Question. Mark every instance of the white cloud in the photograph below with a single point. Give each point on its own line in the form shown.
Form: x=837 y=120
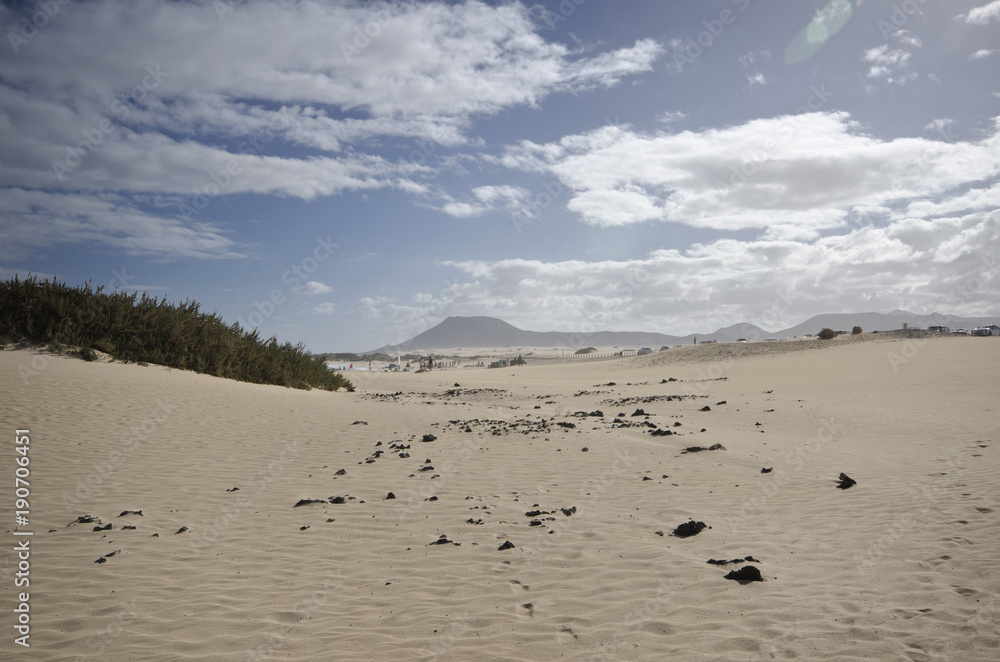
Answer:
x=908 y=38
x=463 y=209
x=38 y=219
x=985 y=14
x=668 y=116
x=512 y=198
x=795 y=175
x=756 y=79
x=323 y=309
x=771 y=283
x=752 y=57
x=982 y=53
x=314 y=287
x=889 y=65
x=176 y=111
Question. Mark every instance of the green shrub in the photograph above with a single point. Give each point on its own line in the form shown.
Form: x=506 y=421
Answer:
x=827 y=334
x=585 y=350
x=856 y=331
x=144 y=329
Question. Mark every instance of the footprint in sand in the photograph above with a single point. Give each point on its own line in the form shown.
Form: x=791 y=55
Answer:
x=566 y=636
x=984 y=510
x=957 y=540
x=936 y=562
x=515 y=585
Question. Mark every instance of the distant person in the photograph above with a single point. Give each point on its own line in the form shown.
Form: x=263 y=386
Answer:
x=369 y=366
x=520 y=361
x=421 y=363
x=430 y=362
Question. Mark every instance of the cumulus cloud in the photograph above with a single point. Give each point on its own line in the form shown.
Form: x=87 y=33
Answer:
x=985 y=14
x=771 y=283
x=889 y=65
x=794 y=175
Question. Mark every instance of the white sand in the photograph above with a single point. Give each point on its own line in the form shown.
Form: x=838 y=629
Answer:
x=903 y=566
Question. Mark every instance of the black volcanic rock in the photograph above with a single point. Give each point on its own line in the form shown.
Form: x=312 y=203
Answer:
x=690 y=528
x=846 y=482
x=747 y=573
x=306 y=502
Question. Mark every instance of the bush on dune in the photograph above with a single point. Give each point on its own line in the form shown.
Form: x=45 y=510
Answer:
x=827 y=334
x=145 y=329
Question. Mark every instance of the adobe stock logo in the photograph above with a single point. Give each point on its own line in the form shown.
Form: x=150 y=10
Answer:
x=295 y=276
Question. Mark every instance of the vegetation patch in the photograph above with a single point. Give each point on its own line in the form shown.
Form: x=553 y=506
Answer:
x=143 y=329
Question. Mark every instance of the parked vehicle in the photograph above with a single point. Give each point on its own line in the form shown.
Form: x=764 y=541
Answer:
x=987 y=330
x=665 y=347
x=960 y=332
x=644 y=350
x=938 y=329
x=742 y=340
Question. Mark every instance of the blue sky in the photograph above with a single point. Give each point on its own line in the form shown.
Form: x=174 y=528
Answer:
x=349 y=174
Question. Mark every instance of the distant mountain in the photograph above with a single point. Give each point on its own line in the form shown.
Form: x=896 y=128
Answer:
x=881 y=322
x=742 y=330
x=472 y=332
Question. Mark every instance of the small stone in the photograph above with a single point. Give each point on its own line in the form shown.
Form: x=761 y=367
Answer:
x=507 y=545
x=428 y=437
x=390 y=495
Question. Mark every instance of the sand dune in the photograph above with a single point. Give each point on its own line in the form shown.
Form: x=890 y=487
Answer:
x=902 y=566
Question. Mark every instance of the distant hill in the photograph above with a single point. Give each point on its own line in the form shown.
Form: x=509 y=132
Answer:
x=474 y=332
x=881 y=322
x=471 y=332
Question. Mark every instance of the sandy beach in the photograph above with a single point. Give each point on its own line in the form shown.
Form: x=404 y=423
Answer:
x=252 y=522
